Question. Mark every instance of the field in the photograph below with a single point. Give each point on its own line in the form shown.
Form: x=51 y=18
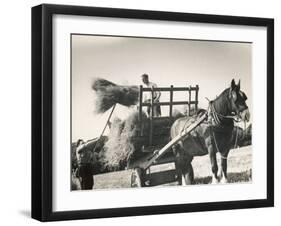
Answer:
x=239 y=171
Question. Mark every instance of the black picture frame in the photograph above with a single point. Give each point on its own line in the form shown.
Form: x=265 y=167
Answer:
x=42 y=107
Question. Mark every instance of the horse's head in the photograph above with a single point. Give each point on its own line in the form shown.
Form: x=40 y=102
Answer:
x=238 y=101
x=84 y=153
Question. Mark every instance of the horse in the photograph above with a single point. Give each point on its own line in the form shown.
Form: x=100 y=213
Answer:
x=213 y=135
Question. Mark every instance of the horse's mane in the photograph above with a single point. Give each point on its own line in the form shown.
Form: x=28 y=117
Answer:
x=221 y=103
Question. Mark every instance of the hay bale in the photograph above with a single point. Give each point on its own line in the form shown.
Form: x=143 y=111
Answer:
x=109 y=94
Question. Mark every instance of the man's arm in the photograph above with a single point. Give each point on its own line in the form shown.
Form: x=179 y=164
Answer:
x=157 y=93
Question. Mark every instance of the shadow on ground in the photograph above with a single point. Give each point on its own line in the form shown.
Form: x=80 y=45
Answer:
x=25 y=213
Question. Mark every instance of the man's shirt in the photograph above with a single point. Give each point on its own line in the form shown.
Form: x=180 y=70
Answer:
x=148 y=95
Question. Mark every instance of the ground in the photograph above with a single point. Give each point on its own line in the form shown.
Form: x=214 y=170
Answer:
x=239 y=170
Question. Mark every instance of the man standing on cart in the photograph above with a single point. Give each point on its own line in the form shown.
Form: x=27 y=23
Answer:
x=148 y=96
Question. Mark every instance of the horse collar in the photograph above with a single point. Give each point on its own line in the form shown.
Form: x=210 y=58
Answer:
x=217 y=117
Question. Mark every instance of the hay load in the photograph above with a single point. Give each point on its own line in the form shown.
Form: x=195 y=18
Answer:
x=124 y=140
x=109 y=94
x=121 y=144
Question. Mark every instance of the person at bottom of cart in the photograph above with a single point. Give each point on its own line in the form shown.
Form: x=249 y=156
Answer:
x=148 y=96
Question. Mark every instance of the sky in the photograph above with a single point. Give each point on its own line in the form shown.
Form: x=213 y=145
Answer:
x=210 y=64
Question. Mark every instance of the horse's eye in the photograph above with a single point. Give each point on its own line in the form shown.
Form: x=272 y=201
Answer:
x=243 y=95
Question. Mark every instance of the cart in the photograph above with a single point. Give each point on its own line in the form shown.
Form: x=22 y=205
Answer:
x=158 y=151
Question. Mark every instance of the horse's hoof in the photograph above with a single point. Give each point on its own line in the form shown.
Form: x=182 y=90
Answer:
x=215 y=181
x=223 y=180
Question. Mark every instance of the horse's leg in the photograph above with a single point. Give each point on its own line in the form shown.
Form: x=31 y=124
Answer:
x=178 y=162
x=191 y=173
x=214 y=164
x=188 y=171
x=223 y=173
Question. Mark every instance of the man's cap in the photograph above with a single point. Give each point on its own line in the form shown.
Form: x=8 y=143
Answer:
x=144 y=75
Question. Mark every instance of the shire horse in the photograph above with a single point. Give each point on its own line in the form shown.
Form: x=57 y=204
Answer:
x=212 y=136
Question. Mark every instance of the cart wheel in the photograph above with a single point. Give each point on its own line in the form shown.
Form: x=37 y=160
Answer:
x=136 y=178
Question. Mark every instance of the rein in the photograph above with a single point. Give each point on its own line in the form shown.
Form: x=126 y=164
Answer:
x=235 y=145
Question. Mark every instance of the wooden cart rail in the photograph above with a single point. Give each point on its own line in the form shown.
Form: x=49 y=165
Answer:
x=173 y=103
x=188 y=101
x=189 y=88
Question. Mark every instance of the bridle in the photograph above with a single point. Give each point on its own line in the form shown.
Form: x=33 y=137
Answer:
x=216 y=116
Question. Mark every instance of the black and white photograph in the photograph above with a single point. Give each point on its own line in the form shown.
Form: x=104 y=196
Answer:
x=149 y=112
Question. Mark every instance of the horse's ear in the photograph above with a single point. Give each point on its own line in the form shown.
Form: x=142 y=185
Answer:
x=79 y=142
x=232 y=84
x=238 y=85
